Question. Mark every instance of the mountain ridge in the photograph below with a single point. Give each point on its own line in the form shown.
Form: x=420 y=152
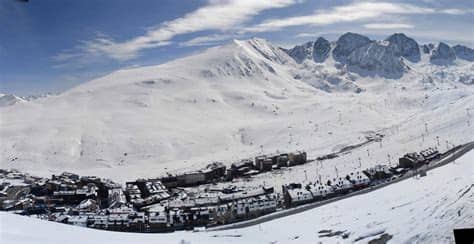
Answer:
x=374 y=57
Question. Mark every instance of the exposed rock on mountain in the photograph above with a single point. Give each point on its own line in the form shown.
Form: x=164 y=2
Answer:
x=464 y=52
x=442 y=55
x=404 y=46
x=359 y=55
x=427 y=48
x=348 y=43
x=376 y=58
x=317 y=51
x=301 y=52
x=321 y=50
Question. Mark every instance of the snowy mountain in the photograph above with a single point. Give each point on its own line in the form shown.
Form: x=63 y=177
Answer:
x=367 y=57
x=242 y=99
x=9 y=99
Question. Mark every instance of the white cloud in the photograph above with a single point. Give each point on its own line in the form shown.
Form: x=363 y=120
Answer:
x=455 y=11
x=217 y=15
x=356 y=11
x=387 y=26
x=228 y=18
x=305 y=34
x=207 y=40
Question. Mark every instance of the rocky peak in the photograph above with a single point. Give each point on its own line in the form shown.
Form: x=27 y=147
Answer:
x=348 y=43
x=376 y=58
x=427 y=48
x=384 y=58
x=442 y=55
x=464 y=52
x=301 y=52
x=404 y=46
x=321 y=49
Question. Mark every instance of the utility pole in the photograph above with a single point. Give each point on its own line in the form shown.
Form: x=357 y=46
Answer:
x=468 y=114
x=317 y=173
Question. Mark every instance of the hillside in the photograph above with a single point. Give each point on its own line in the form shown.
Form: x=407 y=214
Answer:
x=239 y=100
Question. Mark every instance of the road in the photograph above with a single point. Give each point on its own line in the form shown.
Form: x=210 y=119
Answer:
x=283 y=213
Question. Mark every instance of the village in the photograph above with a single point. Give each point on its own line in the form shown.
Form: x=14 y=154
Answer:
x=169 y=203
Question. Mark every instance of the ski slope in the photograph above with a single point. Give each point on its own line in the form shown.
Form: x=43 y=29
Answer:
x=417 y=210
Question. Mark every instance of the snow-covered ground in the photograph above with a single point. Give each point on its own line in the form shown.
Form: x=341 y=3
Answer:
x=417 y=210
x=231 y=102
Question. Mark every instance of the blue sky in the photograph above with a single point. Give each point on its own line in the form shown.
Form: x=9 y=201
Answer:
x=52 y=45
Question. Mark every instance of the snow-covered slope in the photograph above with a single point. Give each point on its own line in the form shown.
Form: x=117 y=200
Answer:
x=232 y=102
x=9 y=99
x=417 y=210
